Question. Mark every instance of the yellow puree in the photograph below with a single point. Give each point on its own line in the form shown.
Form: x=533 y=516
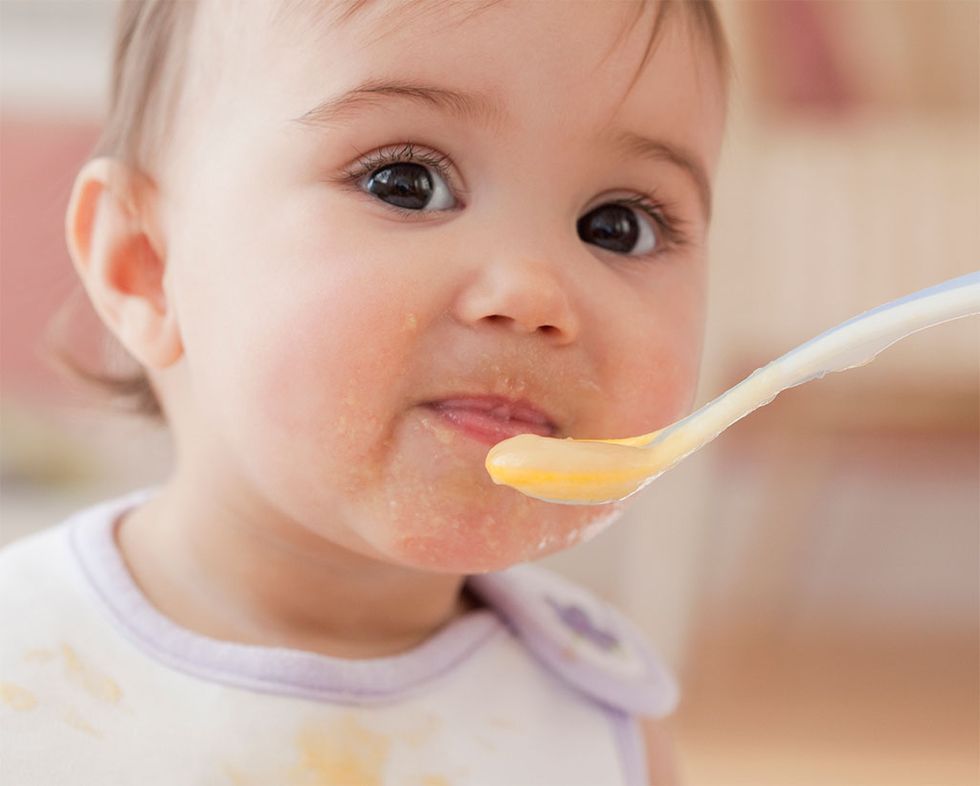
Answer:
x=570 y=470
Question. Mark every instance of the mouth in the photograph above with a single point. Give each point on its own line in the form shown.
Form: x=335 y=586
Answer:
x=491 y=419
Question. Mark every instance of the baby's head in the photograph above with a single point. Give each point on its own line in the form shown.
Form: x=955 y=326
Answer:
x=310 y=221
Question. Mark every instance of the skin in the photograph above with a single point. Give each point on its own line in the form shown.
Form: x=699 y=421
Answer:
x=293 y=326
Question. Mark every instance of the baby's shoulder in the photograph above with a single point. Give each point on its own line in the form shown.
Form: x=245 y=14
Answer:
x=581 y=638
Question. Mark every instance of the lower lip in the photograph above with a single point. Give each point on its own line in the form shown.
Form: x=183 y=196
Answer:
x=487 y=429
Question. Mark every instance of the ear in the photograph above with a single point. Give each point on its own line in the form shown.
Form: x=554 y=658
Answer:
x=117 y=249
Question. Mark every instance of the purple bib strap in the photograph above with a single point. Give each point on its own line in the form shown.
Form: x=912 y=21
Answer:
x=582 y=639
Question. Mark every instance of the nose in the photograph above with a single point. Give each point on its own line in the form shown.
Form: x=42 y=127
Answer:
x=521 y=295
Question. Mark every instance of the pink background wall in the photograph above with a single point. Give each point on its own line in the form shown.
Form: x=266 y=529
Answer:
x=40 y=160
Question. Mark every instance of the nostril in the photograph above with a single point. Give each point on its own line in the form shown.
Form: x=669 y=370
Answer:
x=501 y=319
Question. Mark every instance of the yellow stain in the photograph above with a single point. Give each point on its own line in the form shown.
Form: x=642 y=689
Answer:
x=344 y=753
x=16 y=697
x=76 y=721
x=92 y=681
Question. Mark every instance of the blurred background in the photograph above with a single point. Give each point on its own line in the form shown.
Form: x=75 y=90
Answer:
x=812 y=575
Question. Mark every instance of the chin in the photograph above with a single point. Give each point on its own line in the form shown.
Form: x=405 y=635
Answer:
x=482 y=544
x=439 y=555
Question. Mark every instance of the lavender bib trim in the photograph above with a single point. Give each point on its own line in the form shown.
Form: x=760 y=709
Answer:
x=275 y=670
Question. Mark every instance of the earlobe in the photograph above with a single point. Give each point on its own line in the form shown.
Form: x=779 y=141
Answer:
x=111 y=233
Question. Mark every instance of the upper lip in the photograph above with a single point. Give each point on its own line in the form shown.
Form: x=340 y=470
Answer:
x=499 y=406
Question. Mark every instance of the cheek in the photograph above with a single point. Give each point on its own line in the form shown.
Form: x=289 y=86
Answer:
x=327 y=379
x=300 y=374
x=660 y=391
x=657 y=362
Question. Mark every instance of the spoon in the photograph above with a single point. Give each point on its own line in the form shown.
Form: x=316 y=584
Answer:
x=594 y=471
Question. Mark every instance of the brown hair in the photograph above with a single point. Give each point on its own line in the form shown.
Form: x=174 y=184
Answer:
x=152 y=39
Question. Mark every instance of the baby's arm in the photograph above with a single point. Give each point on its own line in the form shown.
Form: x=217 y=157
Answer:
x=661 y=761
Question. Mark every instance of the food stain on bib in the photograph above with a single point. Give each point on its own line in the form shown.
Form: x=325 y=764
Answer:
x=344 y=753
x=76 y=721
x=92 y=681
x=16 y=697
x=77 y=671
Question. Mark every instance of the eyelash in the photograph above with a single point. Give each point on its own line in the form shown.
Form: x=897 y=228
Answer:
x=662 y=212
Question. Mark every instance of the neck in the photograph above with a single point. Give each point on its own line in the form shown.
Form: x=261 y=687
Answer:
x=239 y=571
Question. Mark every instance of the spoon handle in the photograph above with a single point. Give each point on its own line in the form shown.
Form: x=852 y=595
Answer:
x=851 y=344
x=873 y=331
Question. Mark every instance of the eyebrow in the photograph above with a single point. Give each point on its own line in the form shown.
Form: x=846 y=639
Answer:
x=641 y=146
x=486 y=109
x=481 y=108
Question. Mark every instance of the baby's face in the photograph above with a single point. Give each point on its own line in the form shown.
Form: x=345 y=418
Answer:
x=334 y=273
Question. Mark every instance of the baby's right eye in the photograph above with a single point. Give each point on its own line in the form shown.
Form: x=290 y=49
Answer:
x=406 y=180
x=409 y=186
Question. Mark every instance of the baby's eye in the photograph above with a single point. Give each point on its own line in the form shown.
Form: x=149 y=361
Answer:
x=616 y=227
x=410 y=186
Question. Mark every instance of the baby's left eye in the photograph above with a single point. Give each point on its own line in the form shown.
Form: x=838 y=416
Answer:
x=615 y=227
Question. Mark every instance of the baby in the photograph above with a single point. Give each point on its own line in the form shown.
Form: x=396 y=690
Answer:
x=353 y=245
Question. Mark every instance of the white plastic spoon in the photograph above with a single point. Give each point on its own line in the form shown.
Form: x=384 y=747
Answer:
x=593 y=471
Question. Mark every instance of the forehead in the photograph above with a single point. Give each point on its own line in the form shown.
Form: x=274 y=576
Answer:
x=376 y=20
x=594 y=62
x=374 y=23
x=385 y=15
